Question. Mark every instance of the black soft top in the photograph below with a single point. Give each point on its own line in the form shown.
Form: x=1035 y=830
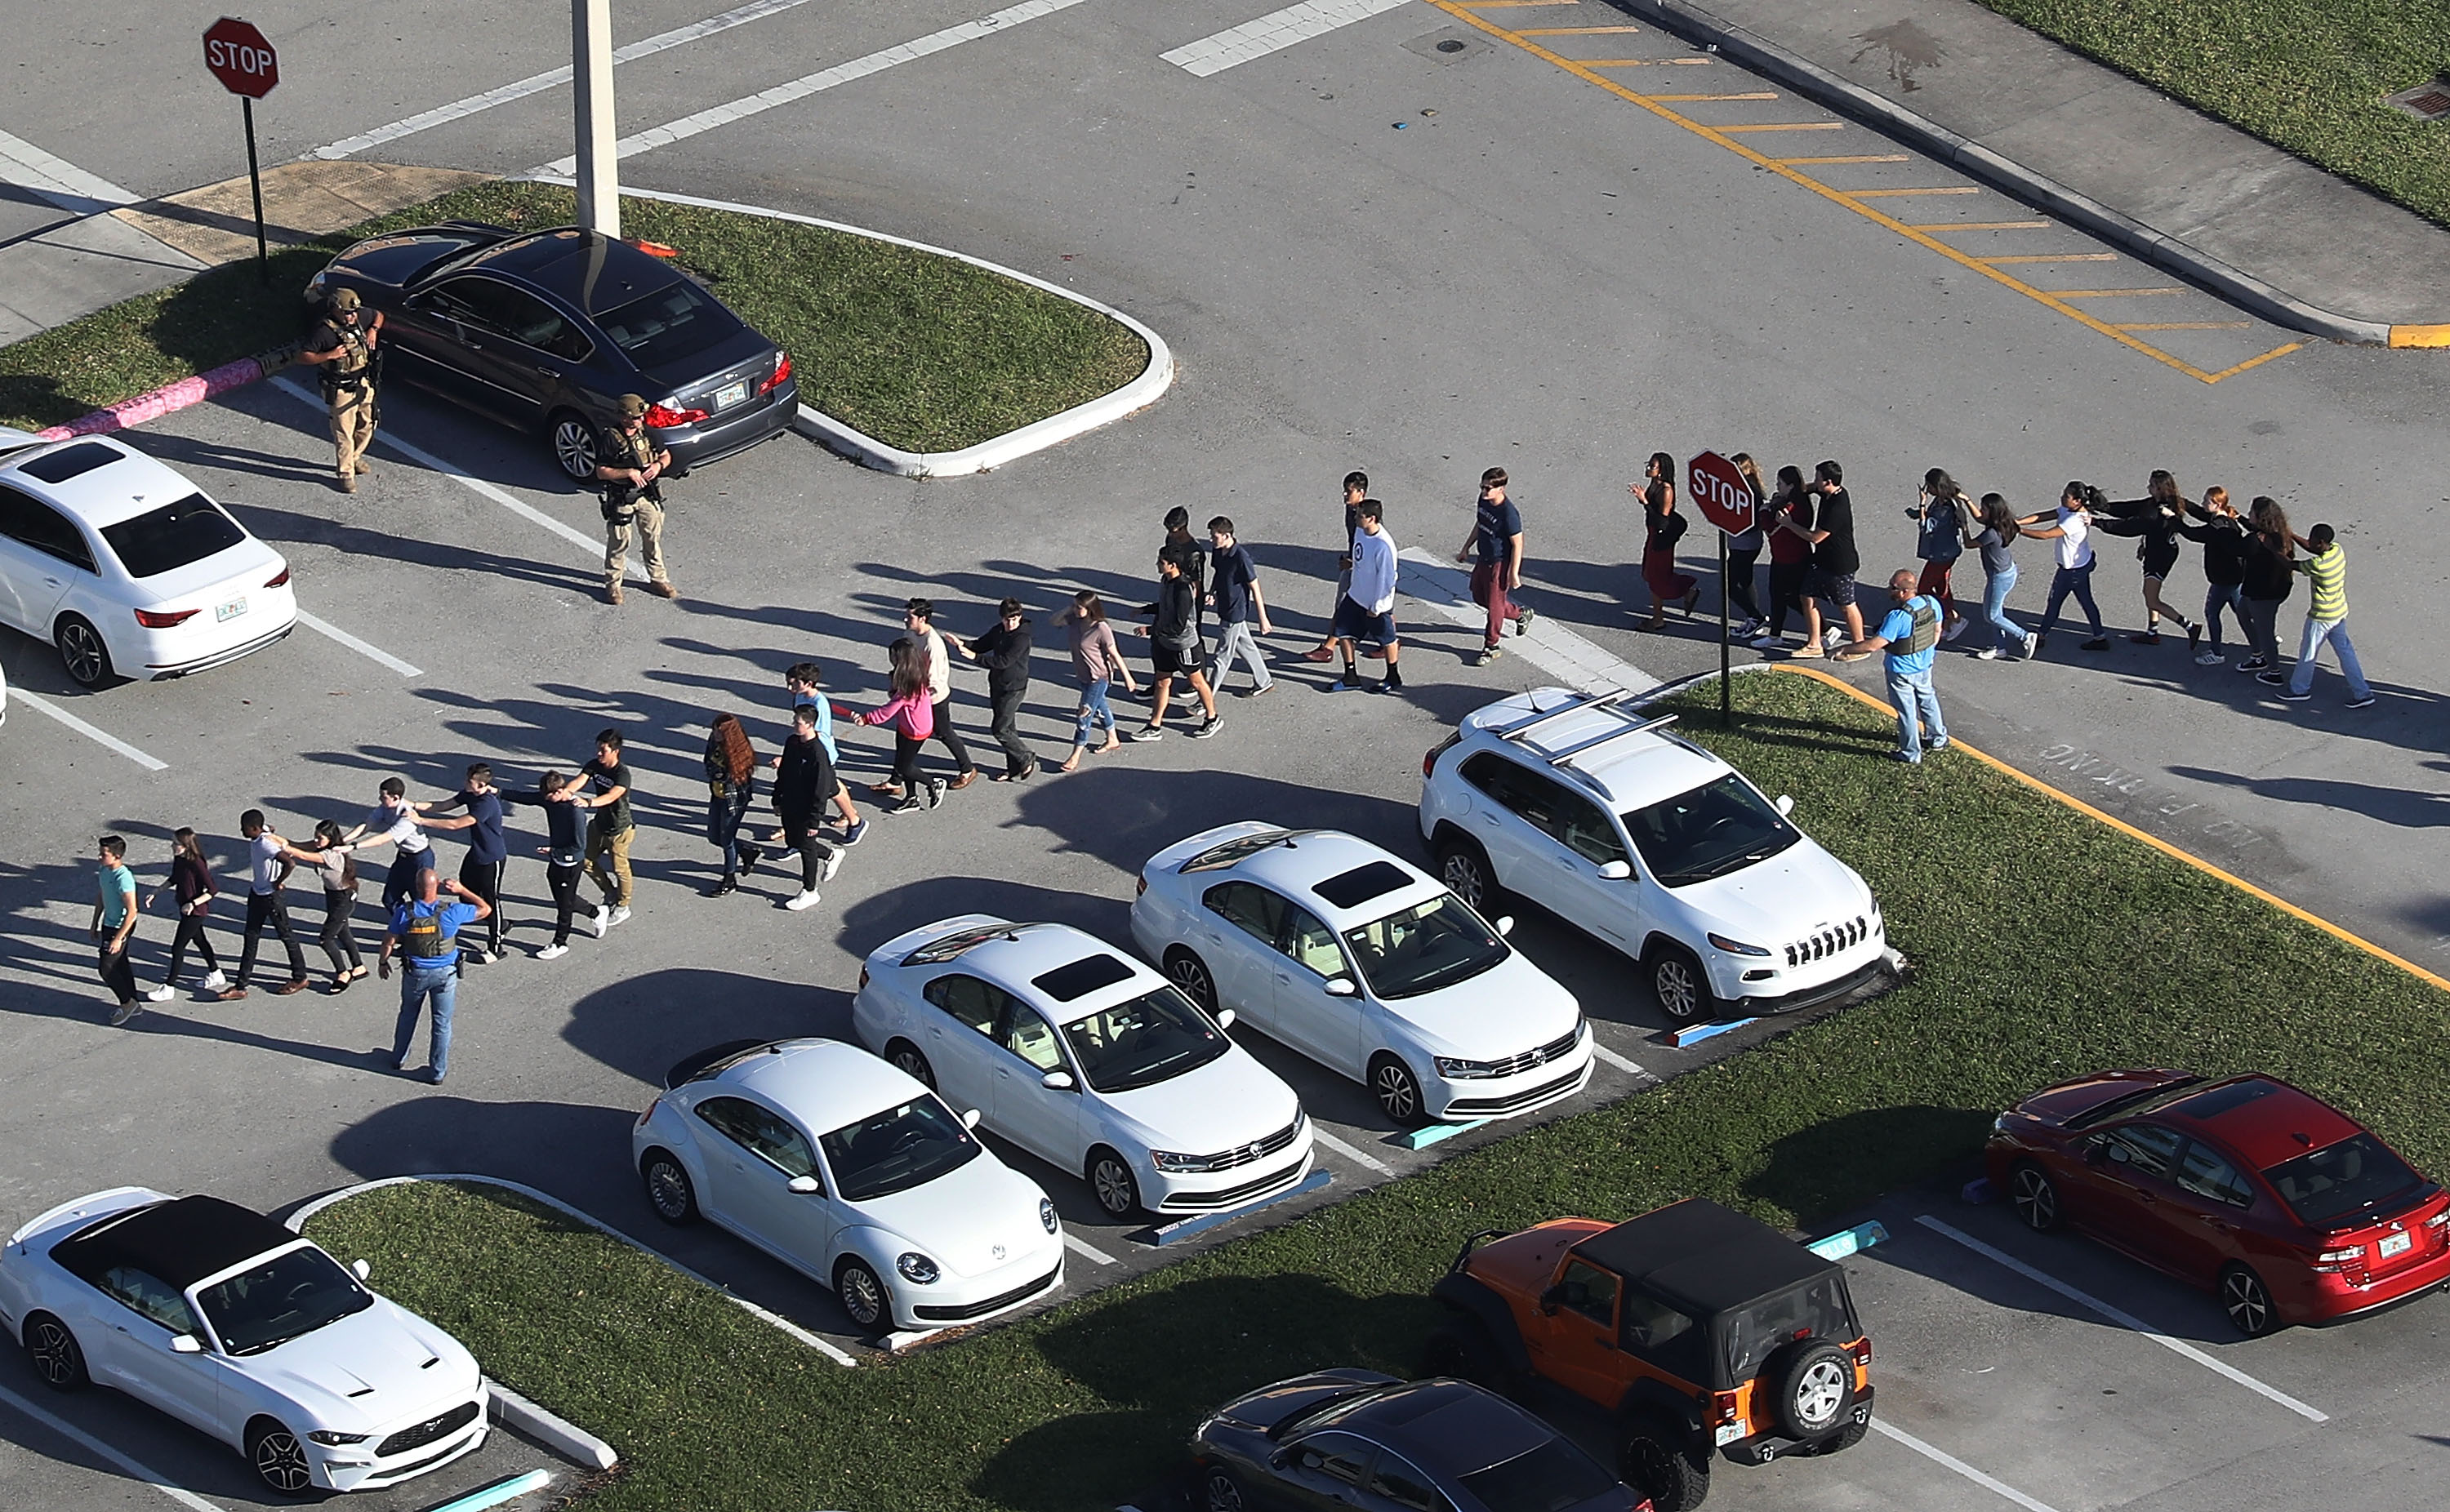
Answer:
x=1696 y=1253
x=177 y=1243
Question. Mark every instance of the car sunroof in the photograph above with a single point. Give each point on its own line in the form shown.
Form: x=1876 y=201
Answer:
x=1082 y=978
x=68 y=462
x=1352 y=888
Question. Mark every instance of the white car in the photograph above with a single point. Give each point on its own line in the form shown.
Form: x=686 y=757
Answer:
x=1087 y=1059
x=127 y=568
x=1365 y=965
x=243 y=1330
x=848 y=1169
x=1653 y=845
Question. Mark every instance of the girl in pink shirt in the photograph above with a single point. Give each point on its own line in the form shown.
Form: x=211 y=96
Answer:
x=913 y=718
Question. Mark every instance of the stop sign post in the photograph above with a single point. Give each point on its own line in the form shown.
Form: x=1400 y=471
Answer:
x=243 y=60
x=1724 y=497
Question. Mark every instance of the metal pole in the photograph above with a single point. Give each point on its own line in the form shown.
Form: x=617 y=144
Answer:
x=255 y=182
x=1726 y=675
x=591 y=64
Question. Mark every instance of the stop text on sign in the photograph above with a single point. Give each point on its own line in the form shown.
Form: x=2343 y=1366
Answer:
x=239 y=57
x=1720 y=492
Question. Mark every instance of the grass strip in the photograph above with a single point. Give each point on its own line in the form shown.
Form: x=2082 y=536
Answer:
x=920 y=350
x=2045 y=944
x=2307 y=76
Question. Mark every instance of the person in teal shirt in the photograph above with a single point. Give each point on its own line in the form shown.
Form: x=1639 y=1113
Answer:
x=114 y=922
x=1909 y=637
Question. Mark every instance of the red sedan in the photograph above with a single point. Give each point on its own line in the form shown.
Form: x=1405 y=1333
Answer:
x=2287 y=1207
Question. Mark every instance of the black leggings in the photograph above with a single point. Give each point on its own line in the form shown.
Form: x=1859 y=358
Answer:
x=564 y=882
x=336 y=940
x=813 y=847
x=1785 y=592
x=905 y=760
x=1739 y=581
x=191 y=932
x=484 y=878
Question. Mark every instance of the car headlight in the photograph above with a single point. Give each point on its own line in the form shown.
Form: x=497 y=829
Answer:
x=1172 y=1164
x=1046 y=1216
x=917 y=1269
x=1455 y=1070
x=332 y=1440
x=1999 y=1125
x=1735 y=947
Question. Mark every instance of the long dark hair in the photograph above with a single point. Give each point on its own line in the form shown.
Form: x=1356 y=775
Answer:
x=909 y=660
x=1998 y=517
x=2271 y=522
x=327 y=831
x=184 y=840
x=728 y=739
x=1091 y=610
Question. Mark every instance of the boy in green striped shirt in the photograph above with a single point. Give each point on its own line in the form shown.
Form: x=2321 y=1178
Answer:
x=2326 y=563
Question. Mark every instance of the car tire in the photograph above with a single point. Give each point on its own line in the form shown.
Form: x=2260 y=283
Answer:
x=1816 y=1387
x=908 y=1059
x=1113 y=1184
x=1396 y=1091
x=863 y=1296
x=1679 y=984
x=1652 y=1458
x=669 y=1188
x=1465 y=1350
x=1464 y=867
x=2247 y=1302
x=574 y=445
x=56 y=1354
x=1220 y=1492
x=83 y=654
x=2035 y=1197
x=279 y=1459
x=1184 y=968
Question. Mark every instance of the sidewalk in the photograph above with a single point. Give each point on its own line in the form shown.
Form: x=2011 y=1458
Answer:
x=2103 y=152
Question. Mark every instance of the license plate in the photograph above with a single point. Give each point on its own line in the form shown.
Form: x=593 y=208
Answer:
x=727 y=396
x=1729 y=1432
x=2394 y=1244
x=229 y=610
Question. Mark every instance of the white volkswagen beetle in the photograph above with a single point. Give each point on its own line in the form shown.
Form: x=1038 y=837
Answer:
x=243 y=1330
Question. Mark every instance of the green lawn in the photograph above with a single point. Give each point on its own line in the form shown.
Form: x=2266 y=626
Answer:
x=921 y=351
x=2045 y=944
x=2306 y=75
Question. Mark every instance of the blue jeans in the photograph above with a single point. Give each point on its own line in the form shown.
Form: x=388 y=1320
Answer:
x=1995 y=608
x=723 y=818
x=2334 y=632
x=2076 y=580
x=420 y=980
x=1918 y=703
x=2231 y=596
x=1094 y=712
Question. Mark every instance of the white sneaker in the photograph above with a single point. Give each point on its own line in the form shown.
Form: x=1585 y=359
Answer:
x=1988 y=653
x=216 y=981
x=602 y=920
x=620 y=916
x=1831 y=638
x=806 y=899
x=2210 y=659
x=1952 y=631
x=552 y=953
x=832 y=863
x=162 y=994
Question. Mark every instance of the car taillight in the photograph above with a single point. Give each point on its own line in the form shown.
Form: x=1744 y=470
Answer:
x=280 y=580
x=1723 y=1405
x=661 y=418
x=1141 y=886
x=2339 y=1259
x=1861 y=1350
x=782 y=373
x=863 y=978
x=650 y=1113
x=159 y=619
x=2438 y=1220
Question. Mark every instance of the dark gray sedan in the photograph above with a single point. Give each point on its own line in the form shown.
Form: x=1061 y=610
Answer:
x=546 y=330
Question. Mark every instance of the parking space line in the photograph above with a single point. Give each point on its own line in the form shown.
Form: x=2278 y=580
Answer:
x=1087 y=1250
x=2114 y=294
x=2282 y=350
x=1765 y=95
x=1981 y=225
x=1570 y=31
x=361 y=648
x=1942 y=1457
x=132 y=1466
x=2055 y=257
x=1632 y=62
x=2190 y=326
x=44 y=705
x=2125 y=1320
x=1857 y=156
x=1319 y=1135
x=1629 y=1068
x=1904 y=194
x=1273 y=32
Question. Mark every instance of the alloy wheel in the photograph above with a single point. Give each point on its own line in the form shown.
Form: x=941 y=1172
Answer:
x=281 y=1460
x=908 y=1060
x=53 y=1349
x=1117 y=1191
x=1463 y=877
x=1677 y=984
x=1820 y=1393
x=861 y=1295
x=668 y=1189
x=574 y=447
x=1398 y=1095
x=1190 y=973
x=2247 y=1304
x=1224 y=1494
x=83 y=654
x=2037 y=1200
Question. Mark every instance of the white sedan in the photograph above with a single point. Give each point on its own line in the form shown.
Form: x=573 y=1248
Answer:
x=848 y=1169
x=1086 y=1059
x=243 y=1330
x=126 y=568
x=1365 y=965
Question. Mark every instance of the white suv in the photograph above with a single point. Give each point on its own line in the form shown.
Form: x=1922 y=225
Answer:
x=1652 y=844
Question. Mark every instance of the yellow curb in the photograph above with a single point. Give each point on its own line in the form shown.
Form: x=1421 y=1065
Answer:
x=2155 y=842
x=2419 y=336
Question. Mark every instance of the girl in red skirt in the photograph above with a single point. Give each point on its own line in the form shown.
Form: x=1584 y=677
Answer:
x=1663 y=527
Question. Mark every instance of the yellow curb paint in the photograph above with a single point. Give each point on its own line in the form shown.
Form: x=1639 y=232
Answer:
x=2419 y=336
x=2155 y=840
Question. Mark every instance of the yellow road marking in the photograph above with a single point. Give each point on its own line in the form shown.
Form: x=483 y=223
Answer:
x=1922 y=238
x=2114 y=294
x=1865 y=157
x=1895 y=194
x=1570 y=31
x=2255 y=361
x=2125 y=829
x=1788 y=126
x=1980 y=226
x=1762 y=96
x=2055 y=257
x=2190 y=326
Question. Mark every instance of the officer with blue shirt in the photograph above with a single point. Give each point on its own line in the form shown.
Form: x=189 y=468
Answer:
x=1909 y=637
x=425 y=931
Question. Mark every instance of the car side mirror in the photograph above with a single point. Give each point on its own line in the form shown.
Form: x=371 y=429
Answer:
x=1279 y=1458
x=1340 y=987
x=2117 y=1154
x=1224 y=1018
x=1056 y=1081
x=1551 y=1299
x=806 y=1186
x=1785 y=805
x=361 y=1270
x=1615 y=870
x=186 y=1343
x=1506 y=925
x=970 y=1119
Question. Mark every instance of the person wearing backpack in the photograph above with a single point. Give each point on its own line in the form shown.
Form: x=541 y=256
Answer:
x=1940 y=520
x=1909 y=634
x=425 y=932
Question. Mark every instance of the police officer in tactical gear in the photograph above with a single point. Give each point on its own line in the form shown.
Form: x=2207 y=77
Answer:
x=632 y=468
x=343 y=346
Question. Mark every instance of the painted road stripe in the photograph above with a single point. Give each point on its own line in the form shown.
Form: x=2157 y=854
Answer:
x=2190 y=326
x=1363 y=1157
x=1618 y=1061
x=1788 y=126
x=1549 y=647
x=2125 y=1320
x=1087 y=1250
x=1906 y=194
x=135 y=1468
x=62 y=183
x=1273 y=32
x=551 y=78
x=1570 y=31
x=1629 y=62
x=374 y=652
x=1941 y=1457
x=2110 y=294
x=1981 y=225
x=800 y=89
x=1680 y=97
x=2055 y=257
x=44 y=705
x=1859 y=157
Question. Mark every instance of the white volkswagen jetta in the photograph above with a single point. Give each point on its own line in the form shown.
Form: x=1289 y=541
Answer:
x=844 y=1168
x=1653 y=845
x=243 y=1330
x=1365 y=965
x=1086 y=1059
x=126 y=568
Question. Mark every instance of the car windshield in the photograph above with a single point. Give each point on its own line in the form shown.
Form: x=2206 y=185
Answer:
x=168 y=538
x=2340 y=1184
x=897 y=1149
x=1749 y=1334
x=1153 y=1038
x=296 y=1291
x=671 y=323
x=1714 y=829
x=1549 y=1479
x=1419 y=949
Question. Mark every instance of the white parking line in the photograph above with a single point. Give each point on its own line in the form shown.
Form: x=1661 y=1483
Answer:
x=373 y=653
x=1273 y=32
x=44 y=705
x=1319 y=1135
x=536 y=83
x=841 y=73
x=1944 y=1458
x=2125 y=1320
x=135 y=1468
x=1087 y=1250
x=55 y=179
x=1548 y=644
x=1618 y=1061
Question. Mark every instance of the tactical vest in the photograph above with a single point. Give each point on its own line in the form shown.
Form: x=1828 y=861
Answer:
x=1926 y=626
x=620 y=494
x=346 y=369
x=426 y=939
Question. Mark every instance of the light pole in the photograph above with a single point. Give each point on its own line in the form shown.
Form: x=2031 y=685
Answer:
x=591 y=65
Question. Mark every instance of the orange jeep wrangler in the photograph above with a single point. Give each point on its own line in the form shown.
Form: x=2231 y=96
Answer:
x=1704 y=1331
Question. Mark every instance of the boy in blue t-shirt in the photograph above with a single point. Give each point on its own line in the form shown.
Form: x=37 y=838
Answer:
x=114 y=920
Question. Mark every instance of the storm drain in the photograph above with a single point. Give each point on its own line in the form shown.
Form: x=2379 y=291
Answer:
x=2429 y=101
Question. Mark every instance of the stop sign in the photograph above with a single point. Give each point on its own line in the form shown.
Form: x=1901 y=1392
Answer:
x=240 y=58
x=1720 y=493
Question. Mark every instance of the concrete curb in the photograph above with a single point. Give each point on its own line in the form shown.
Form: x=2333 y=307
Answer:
x=565 y=1439
x=1751 y=50
x=1038 y=435
x=169 y=398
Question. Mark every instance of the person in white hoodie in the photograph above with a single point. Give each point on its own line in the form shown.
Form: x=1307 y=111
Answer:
x=1367 y=610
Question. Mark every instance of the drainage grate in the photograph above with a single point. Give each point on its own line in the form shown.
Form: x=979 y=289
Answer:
x=1448 y=45
x=2429 y=101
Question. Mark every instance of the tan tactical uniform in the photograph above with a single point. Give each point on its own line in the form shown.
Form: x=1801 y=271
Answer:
x=349 y=392
x=627 y=509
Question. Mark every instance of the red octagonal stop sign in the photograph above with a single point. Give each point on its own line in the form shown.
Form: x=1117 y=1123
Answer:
x=240 y=58
x=1720 y=493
